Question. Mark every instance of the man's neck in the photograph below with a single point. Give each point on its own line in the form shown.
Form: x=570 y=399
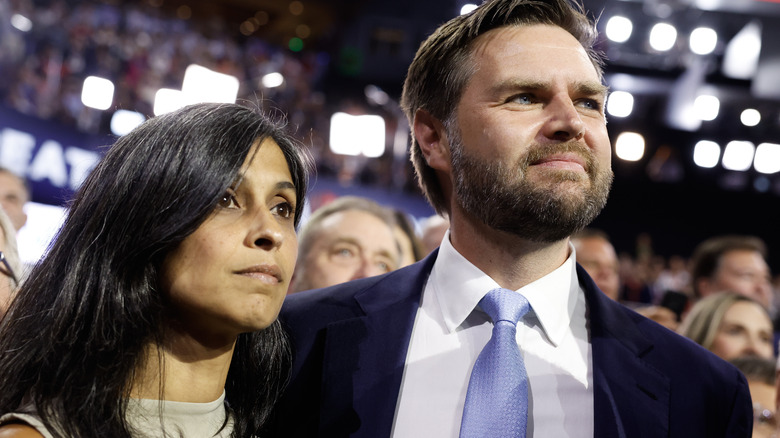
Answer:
x=511 y=261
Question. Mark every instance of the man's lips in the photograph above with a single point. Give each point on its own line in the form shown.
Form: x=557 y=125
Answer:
x=266 y=273
x=563 y=161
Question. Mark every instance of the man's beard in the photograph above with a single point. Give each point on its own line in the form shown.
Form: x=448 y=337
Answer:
x=500 y=194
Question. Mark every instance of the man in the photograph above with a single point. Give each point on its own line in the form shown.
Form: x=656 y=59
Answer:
x=734 y=264
x=14 y=193
x=433 y=229
x=10 y=266
x=347 y=239
x=597 y=256
x=510 y=142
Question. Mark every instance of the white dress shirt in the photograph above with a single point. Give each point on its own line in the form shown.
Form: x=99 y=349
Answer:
x=450 y=331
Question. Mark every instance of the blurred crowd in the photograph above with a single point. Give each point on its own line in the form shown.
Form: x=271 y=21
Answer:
x=142 y=48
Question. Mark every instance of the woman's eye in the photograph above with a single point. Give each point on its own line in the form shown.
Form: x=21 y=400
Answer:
x=228 y=200
x=285 y=210
x=734 y=330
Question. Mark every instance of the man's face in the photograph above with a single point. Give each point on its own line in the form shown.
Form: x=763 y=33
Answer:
x=530 y=151
x=13 y=196
x=744 y=272
x=6 y=281
x=598 y=258
x=348 y=245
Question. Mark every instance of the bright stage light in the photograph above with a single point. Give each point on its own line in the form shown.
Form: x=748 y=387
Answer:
x=738 y=155
x=630 y=146
x=97 y=93
x=706 y=154
x=356 y=135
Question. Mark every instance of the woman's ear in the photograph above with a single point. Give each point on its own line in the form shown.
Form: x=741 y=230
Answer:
x=432 y=139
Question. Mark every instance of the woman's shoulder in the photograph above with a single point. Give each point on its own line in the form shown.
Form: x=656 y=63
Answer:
x=23 y=424
x=19 y=430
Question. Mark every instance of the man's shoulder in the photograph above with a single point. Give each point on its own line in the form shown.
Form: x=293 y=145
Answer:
x=613 y=324
x=320 y=306
x=352 y=299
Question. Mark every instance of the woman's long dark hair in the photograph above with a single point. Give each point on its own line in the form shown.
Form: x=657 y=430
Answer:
x=76 y=332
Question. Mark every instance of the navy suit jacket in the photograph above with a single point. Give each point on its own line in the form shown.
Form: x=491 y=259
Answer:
x=350 y=343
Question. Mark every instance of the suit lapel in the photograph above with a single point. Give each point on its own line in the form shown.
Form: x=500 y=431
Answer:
x=631 y=397
x=365 y=356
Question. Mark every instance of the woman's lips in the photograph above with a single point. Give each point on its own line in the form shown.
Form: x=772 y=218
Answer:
x=267 y=273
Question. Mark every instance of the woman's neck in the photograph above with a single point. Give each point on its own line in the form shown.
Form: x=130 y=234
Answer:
x=185 y=369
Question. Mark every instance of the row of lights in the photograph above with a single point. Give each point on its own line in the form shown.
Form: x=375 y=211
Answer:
x=741 y=54
x=705 y=107
x=365 y=134
x=663 y=36
x=200 y=84
x=738 y=155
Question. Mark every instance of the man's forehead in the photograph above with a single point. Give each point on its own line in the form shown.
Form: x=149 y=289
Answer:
x=524 y=36
x=539 y=45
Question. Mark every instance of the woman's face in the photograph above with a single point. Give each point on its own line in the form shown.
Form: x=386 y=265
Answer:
x=745 y=330
x=231 y=275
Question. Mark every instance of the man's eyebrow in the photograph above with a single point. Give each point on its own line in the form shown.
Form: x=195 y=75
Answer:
x=520 y=84
x=346 y=239
x=591 y=88
x=386 y=253
x=585 y=87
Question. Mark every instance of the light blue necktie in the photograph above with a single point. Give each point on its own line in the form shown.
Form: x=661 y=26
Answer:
x=497 y=398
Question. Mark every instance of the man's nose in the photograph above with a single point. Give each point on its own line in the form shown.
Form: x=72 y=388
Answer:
x=564 y=121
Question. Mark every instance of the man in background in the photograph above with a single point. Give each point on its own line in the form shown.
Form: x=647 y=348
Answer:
x=14 y=194
x=10 y=266
x=597 y=255
x=732 y=263
x=349 y=238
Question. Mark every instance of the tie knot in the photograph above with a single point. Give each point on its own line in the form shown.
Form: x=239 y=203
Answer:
x=504 y=305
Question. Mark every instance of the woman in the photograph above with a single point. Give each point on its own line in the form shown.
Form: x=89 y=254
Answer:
x=731 y=326
x=159 y=297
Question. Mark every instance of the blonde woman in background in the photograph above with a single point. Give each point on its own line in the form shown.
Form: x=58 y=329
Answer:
x=730 y=326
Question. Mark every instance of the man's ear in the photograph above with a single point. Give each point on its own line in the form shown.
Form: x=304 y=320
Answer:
x=432 y=139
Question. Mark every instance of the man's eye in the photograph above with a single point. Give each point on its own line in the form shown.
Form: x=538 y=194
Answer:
x=385 y=265
x=523 y=99
x=343 y=252
x=591 y=104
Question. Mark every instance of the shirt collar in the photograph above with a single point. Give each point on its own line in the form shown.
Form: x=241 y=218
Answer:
x=459 y=286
